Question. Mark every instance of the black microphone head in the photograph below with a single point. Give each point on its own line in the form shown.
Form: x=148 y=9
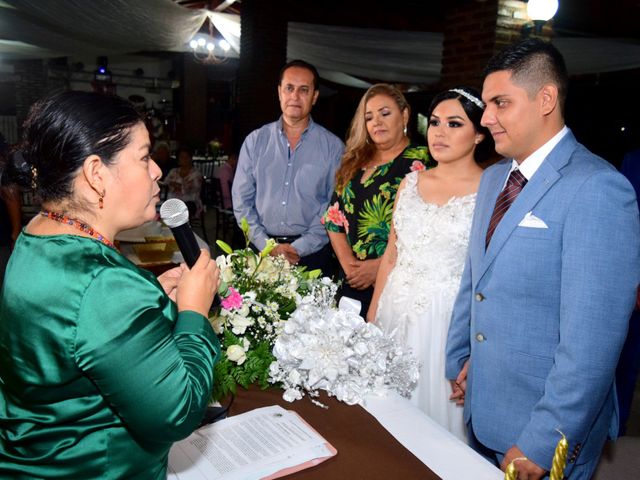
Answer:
x=174 y=213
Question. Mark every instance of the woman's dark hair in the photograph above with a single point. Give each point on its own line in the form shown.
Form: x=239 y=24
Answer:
x=470 y=100
x=61 y=131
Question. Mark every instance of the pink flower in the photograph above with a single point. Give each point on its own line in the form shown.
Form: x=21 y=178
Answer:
x=417 y=165
x=335 y=216
x=233 y=300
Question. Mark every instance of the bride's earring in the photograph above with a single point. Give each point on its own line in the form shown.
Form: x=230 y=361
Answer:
x=405 y=131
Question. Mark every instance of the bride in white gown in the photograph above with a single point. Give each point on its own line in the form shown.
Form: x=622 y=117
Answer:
x=420 y=272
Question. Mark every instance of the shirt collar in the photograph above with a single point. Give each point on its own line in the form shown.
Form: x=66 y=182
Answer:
x=530 y=165
x=310 y=125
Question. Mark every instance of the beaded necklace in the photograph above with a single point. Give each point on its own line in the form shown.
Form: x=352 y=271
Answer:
x=59 y=217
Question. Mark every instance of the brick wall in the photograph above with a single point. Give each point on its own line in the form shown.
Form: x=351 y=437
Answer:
x=31 y=85
x=36 y=79
x=474 y=31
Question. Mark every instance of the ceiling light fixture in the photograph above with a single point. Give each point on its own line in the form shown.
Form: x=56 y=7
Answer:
x=207 y=50
x=540 y=12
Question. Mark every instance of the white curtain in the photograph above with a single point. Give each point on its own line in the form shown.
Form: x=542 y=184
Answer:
x=45 y=28
x=345 y=55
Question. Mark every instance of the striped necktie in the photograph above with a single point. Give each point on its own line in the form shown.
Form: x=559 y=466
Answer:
x=515 y=184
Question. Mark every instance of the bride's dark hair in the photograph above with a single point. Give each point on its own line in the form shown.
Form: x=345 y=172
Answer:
x=471 y=103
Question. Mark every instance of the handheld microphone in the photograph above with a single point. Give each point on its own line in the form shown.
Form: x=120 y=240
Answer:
x=175 y=215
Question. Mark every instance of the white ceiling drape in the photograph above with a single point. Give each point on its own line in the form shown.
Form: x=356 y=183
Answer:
x=46 y=28
x=344 y=55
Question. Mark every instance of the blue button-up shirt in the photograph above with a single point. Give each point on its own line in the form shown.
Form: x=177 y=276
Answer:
x=284 y=192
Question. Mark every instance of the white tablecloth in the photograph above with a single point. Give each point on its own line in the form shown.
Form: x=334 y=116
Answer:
x=446 y=455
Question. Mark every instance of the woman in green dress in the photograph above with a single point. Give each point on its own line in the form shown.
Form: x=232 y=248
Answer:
x=377 y=156
x=102 y=365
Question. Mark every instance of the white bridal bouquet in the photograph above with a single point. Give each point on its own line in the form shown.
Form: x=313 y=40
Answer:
x=334 y=350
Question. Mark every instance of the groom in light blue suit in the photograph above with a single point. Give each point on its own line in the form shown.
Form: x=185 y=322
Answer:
x=544 y=303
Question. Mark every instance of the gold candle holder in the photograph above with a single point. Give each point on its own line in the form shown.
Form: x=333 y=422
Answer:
x=510 y=472
x=559 y=458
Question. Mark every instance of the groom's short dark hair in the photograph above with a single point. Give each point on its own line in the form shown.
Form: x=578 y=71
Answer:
x=532 y=63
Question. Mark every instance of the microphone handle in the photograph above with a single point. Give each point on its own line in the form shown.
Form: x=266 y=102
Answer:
x=190 y=249
x=187 y=243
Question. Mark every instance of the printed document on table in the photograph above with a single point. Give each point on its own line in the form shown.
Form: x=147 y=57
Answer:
x=267 y=442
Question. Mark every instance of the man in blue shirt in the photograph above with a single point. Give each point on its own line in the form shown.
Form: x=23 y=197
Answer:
x=286 y=174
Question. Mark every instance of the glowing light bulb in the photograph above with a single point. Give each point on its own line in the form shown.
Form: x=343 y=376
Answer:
x=542 y=9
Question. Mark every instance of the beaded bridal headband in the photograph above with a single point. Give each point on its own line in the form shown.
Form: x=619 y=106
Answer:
x=469 y=97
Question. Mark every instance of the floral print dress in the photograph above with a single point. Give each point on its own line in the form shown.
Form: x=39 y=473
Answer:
x=363 y=210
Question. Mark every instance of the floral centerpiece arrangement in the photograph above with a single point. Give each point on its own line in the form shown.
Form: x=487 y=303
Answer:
x=278 y=324
x=263 y=292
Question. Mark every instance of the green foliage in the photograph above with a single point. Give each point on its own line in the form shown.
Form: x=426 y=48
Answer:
x=255 y=369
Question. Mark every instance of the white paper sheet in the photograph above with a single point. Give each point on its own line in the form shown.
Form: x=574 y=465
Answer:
x=252 y=445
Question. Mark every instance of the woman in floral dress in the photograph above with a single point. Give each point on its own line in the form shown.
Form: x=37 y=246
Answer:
x=377 y=156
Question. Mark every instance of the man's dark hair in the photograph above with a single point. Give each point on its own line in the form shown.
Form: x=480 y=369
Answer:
x=533 y=63
x=301 y=64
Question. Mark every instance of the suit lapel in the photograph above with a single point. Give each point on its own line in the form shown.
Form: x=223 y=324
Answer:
x=493 y=183
x=544 y=178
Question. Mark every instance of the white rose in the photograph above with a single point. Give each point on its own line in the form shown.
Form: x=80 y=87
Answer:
x=236 y=353
x=222 y=262
x=218 y=325
x=226 y=274
x=239 y=324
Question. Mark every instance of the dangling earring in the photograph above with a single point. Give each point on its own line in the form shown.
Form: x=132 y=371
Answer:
x=101 y=200
x=367 y=139
x=405 y=131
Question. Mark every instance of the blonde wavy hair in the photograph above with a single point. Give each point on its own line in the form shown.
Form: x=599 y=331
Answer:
x=359 y=148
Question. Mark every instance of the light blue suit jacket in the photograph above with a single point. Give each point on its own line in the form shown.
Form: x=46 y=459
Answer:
x=543 y=313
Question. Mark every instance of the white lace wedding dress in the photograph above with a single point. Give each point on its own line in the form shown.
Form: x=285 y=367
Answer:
x=418 y=298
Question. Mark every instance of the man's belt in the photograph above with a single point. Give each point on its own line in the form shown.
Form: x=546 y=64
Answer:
x=284 y=238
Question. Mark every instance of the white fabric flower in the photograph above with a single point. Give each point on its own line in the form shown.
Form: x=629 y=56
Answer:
x=320 y=347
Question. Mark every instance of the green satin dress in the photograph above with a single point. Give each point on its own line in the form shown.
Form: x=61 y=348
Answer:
x=99 y=373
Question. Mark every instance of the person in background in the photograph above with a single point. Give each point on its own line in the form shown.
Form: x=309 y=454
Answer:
x=103 y=365
x=185 y=183
x=162 y=156
x=286 y=172
x=225 y=174
x=420 y=271
x=377 y=157
x=550 y=281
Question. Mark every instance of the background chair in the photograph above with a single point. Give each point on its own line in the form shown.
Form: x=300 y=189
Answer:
x=206 y=169
x=226 y=227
